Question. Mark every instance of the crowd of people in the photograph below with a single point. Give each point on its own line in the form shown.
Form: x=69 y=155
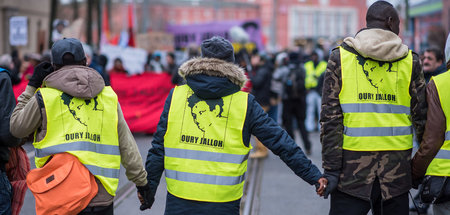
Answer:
x=372 y=95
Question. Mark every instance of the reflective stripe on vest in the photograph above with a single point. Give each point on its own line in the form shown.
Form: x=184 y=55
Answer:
x=375 y=102
x=374 y=108
x=377 y=131
x=86 y=129
x=205 y=158
x=313 y=73
x=78 y=146
x=205 y=179
x=440 y=165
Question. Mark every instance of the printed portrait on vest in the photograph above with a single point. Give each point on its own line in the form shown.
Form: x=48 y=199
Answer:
x=204 y=110
x=205 y=121
x=382 y=77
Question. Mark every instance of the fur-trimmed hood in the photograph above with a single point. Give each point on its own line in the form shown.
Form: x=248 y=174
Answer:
x=213 y=67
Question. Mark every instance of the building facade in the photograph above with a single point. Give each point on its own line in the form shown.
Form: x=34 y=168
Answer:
x=37 y=13
x=429 y=23
x=285 y=21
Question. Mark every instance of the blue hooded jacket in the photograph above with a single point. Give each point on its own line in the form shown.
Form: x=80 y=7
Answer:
x=211 y=78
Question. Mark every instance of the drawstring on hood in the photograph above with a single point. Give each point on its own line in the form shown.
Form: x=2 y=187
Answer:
x=78 y=81
x=378 y=44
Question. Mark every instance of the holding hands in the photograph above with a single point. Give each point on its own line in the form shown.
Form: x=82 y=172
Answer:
x=332 y=178
x=145 y=197
x=321 y=186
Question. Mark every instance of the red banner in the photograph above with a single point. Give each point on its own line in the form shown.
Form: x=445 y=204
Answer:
x=142 y=98
x=20 y=88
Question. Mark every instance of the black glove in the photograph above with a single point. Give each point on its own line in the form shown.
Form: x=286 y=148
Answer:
x=333 y=179
x=148 y=196
x=40 y=72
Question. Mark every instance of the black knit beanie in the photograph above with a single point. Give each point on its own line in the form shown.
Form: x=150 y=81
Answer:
x=218 y=47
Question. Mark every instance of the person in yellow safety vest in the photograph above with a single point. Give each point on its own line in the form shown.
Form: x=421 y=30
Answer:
x=68 y=107
x=314 y=69
x=433 y=157
x=203 y=137
x=373 y=97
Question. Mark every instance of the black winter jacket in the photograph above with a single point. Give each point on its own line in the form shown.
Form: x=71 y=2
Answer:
x=7 y=104
x=211 y=78
x=261 y=80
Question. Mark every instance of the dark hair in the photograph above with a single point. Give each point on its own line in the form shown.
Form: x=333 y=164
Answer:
x=437 y=53
x=378 y=12
x=69 y=59
x=118 y=59
x=171 y=54
x=102 y=60
x=250 y=24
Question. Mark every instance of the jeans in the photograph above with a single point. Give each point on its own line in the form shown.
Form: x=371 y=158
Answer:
x=313 y=103
x=6 y=194
x=442 y=208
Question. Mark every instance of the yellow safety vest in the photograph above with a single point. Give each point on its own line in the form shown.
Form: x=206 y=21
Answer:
x=375 y=102
x=313 y=73
x=86 y=129
x=440 y=166
x=205 y=158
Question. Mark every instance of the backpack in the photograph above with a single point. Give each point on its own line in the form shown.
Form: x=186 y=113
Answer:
x=62 y=186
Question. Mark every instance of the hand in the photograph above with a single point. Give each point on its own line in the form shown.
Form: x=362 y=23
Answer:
x=145 y=197
x=141 y=199
x=333 y=179
x=40 y=72
x=321 y=185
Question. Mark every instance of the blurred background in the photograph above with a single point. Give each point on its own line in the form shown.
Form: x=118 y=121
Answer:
x=155 y=24
x=138 y=45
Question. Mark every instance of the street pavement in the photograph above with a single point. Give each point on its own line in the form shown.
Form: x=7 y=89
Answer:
x=283 y=192
x=280 y=192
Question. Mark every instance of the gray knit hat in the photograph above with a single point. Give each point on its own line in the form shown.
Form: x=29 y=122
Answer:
x=447 y=49
x=218 y=47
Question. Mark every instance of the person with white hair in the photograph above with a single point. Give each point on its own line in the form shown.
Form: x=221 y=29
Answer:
x=7 y=63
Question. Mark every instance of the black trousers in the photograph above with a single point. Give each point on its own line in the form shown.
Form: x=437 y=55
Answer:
x=344 y=204
x=98 y=210
x=296 y=108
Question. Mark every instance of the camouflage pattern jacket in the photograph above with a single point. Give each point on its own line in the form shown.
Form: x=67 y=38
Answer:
x=359 y=169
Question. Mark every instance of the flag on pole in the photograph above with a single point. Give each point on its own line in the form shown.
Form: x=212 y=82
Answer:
x=131 y=20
